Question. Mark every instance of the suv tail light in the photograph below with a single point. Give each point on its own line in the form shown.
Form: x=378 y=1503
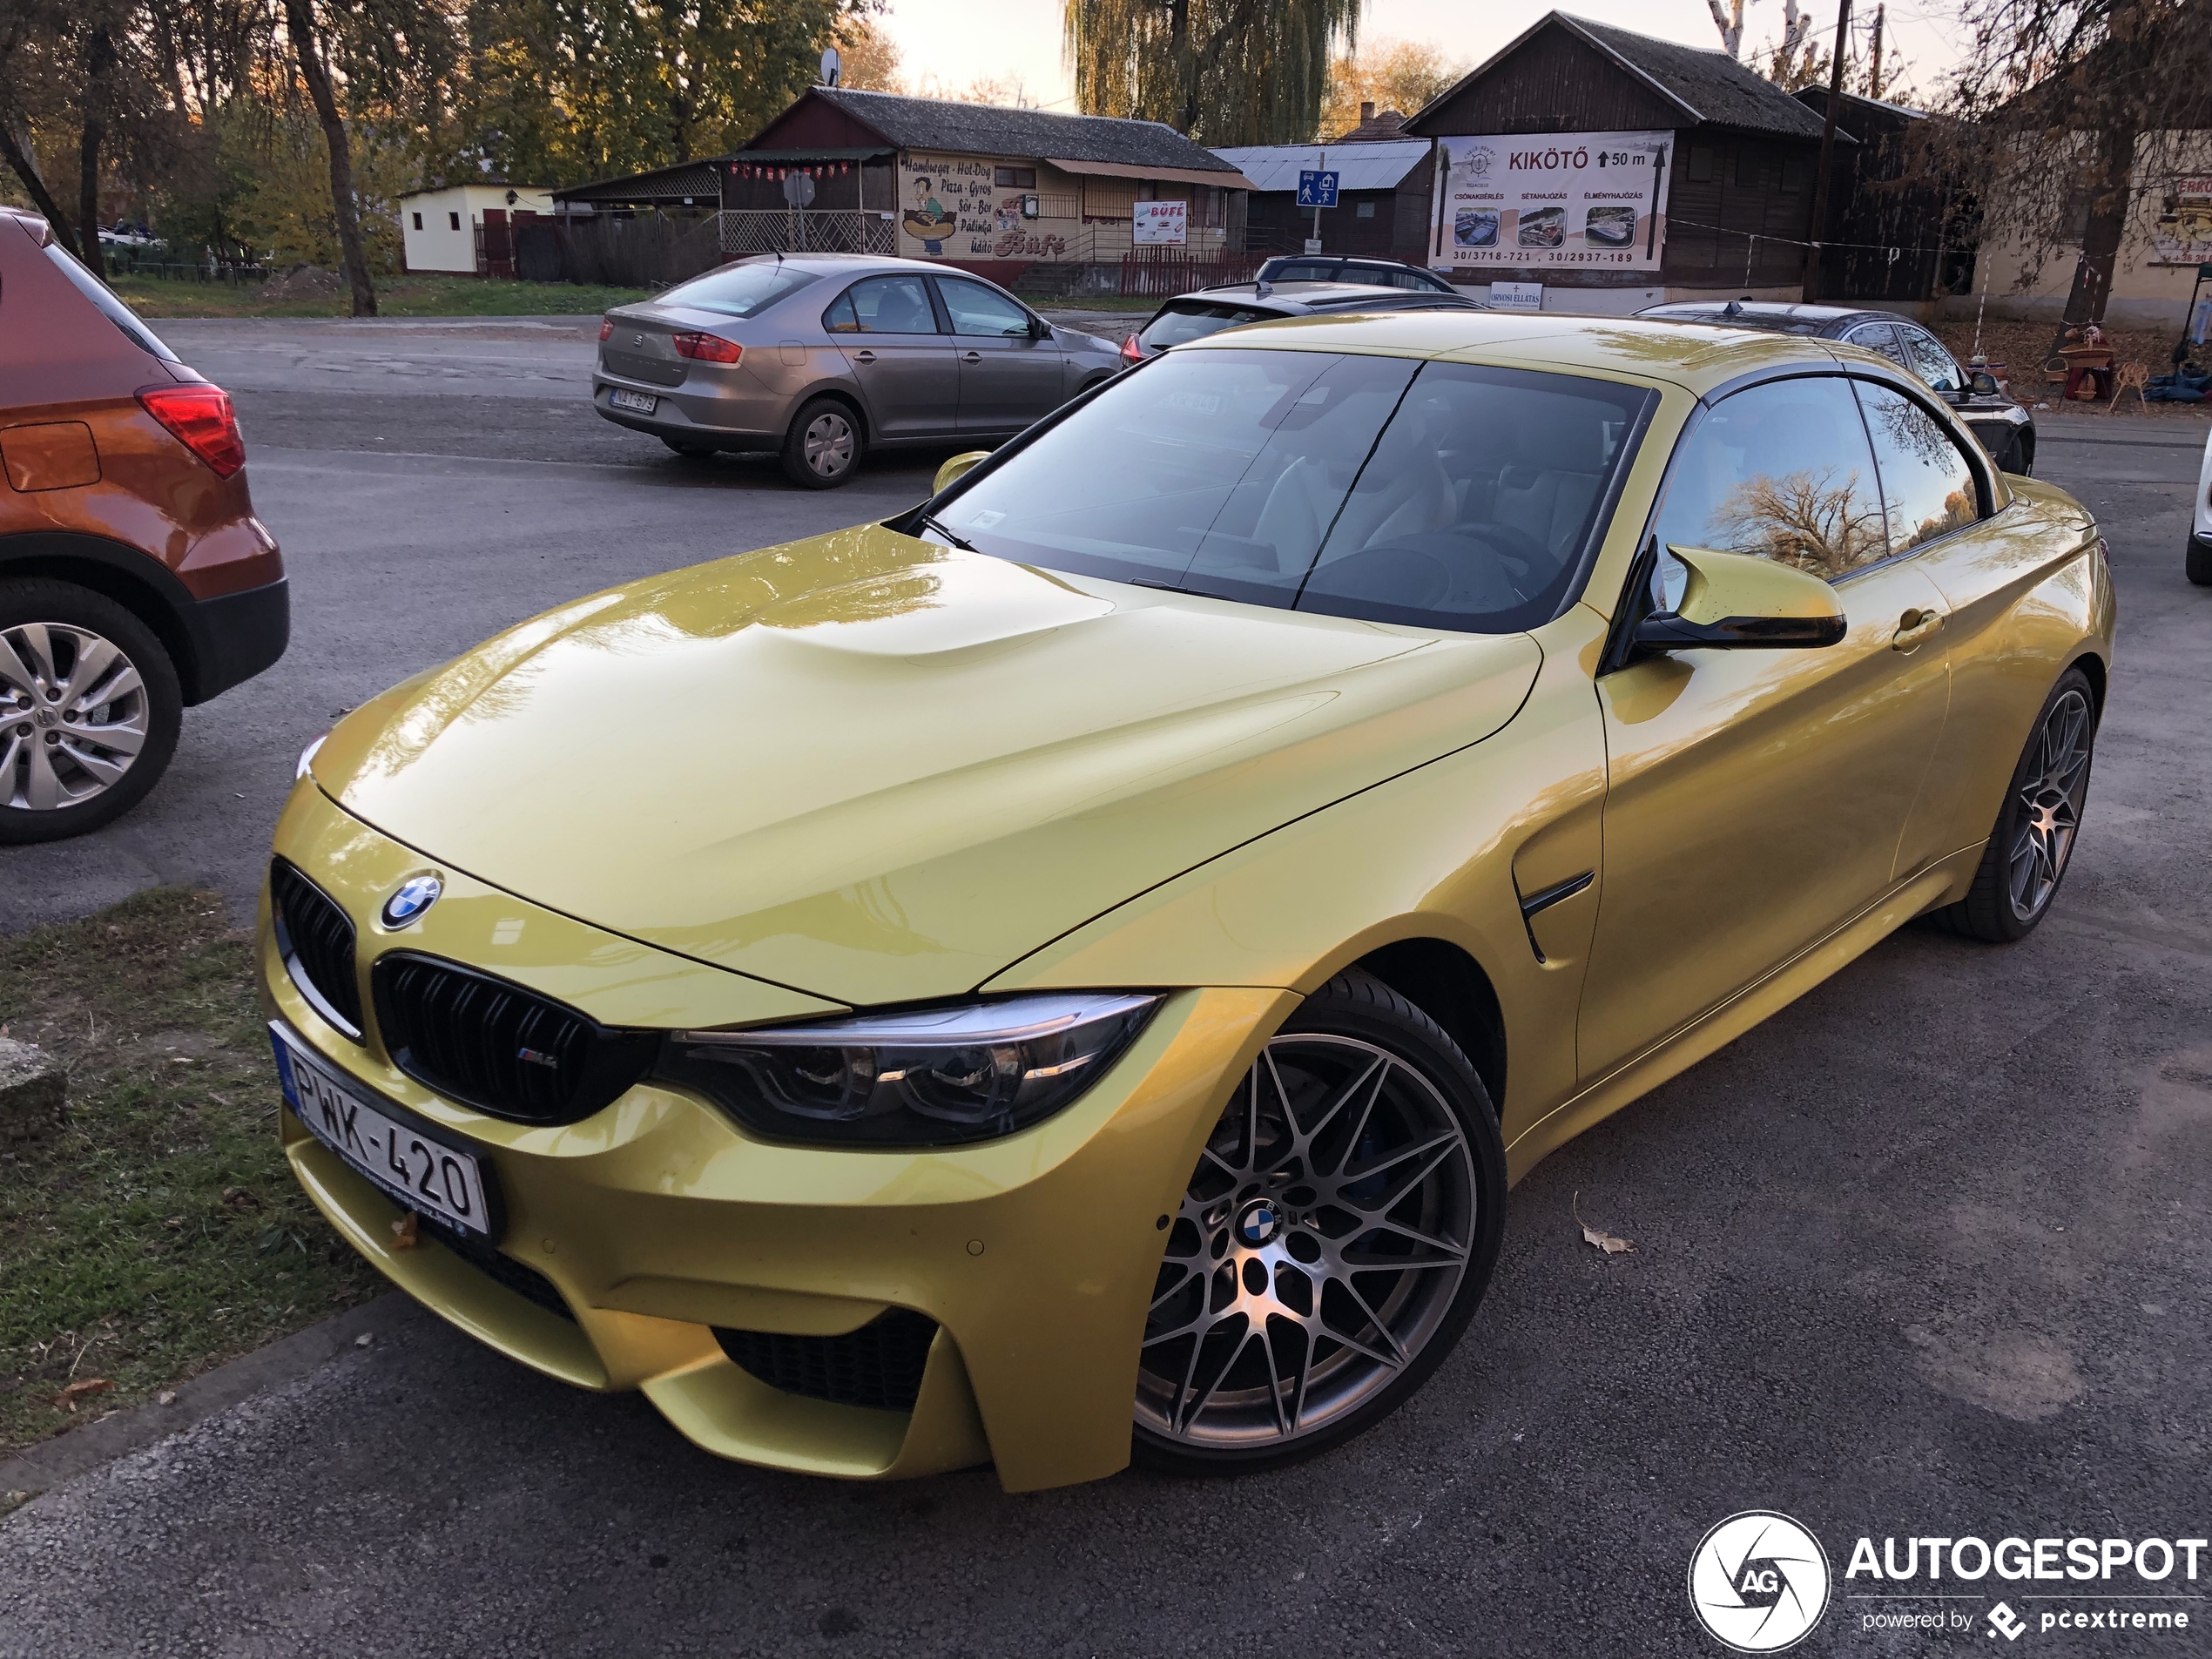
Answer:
x=1131 y=351
x=707 y=348
x=200 y=418
x=606 y=326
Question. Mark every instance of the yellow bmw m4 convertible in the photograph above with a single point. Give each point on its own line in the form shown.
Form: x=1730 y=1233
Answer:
x=1072 y=971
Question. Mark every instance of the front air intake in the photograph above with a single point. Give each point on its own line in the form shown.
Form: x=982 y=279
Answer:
x=879 y=1366
x=497 y=1046
x=315 y=939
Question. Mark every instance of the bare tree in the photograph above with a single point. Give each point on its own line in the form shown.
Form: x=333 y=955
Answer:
x=1727 y=17
x=2075 y=118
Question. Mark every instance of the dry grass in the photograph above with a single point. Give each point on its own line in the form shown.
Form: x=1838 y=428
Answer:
x=160 y=1232
x=2022 y=347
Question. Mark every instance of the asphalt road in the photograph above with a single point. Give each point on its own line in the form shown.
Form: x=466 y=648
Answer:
x=1925 y=1254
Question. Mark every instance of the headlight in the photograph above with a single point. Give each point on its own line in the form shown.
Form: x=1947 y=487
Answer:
x=925 y=1077
x=307 y=758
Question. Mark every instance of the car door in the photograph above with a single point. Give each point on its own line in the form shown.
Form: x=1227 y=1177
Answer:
x=1008 y=377
x=1756 y=799
x=1926 y=357
x=905 y=365
x=1946 y=508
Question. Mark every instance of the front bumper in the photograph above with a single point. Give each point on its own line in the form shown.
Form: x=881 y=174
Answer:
x=657 y=1221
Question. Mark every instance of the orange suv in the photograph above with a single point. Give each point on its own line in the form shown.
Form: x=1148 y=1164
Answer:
x=134 y=578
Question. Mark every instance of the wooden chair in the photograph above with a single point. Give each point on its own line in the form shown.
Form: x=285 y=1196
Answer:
x=2130 y=377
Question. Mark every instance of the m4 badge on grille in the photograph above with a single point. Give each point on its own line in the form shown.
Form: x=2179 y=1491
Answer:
x=538 y=1057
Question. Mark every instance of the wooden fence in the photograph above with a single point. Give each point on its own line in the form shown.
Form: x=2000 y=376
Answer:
x=1162 y=273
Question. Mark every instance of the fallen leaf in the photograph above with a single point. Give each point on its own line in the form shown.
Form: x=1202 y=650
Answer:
x=1610 y=1243
x=175 y=1221
x=364 y=1339
x=403 y=1233
x=78 y=1390
x=166 y=1396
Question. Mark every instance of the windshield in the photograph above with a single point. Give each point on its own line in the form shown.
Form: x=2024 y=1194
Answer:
x=115 y=311
x=1441 y=495
x=739 y=290
x=1182 y=321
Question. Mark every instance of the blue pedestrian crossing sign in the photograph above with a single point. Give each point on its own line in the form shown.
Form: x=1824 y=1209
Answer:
x=1317 y=189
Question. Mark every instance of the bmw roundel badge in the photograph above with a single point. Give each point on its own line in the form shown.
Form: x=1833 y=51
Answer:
x=413 y=896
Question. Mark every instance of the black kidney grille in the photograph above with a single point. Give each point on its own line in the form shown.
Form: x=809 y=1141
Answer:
x=525 y=1281
x=497 y=1046
x=316 y=940
x=879 y=1365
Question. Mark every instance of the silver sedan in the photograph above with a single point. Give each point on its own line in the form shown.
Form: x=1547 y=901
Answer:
x=823 y=357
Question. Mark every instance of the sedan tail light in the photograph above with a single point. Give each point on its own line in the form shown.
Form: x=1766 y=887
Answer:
x=707 y=348
x=201 y=419
x=606 y=327
x=1131 y=351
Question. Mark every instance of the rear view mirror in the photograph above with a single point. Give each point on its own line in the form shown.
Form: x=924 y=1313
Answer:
x=1738 y=602
x=954 y=469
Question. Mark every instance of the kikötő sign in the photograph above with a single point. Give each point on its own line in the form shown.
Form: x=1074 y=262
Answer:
x=1554 y=201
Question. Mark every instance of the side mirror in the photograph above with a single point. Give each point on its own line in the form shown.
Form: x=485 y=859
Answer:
x=953 y=469
x=1982 y=383
x=1738 y=602
x=1040 y=329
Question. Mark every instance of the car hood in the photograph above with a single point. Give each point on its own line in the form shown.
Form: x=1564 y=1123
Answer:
x=877 y=769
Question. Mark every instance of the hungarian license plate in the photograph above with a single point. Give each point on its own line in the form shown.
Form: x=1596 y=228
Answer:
x=441 y=1181
x=636 y=402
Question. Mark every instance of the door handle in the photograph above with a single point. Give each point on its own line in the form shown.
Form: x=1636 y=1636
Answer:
x=971 y=357
x=1913 y=627
x=864 y=357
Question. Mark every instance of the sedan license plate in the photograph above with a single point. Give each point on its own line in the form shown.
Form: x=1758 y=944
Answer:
x=441 y=1181
x=636 y=402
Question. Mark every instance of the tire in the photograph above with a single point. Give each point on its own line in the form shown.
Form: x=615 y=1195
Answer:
x=825 y=444
x=2032 y=842
x=686 y=447
x=1277 y=1333
x=2199 y=562
x=67 y=765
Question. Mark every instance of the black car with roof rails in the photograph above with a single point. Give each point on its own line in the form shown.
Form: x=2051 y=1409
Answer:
x=1193 y=316
x=2006 y=429
x=1336 y=268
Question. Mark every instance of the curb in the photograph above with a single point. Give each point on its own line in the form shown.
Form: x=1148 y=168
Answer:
x=64 y=1458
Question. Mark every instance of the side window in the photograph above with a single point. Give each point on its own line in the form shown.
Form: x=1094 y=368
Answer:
x=1928 y=483
x=840 y=318
x=1879 y=336
x=1781 y=471
x=978 y=310
x=1930 y=362
x=892 y=305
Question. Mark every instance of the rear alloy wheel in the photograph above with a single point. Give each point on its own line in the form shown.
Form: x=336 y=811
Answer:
x=90 y=711
x=2028 y=850
x=824 y=447
x=1339 y=1228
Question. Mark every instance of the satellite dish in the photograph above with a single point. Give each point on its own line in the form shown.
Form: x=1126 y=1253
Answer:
x=830 y=65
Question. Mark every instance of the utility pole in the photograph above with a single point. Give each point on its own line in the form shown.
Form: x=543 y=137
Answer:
x=1874 y=69
x=1827 y=149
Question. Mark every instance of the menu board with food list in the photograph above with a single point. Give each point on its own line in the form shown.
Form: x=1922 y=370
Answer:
x=1554 y=200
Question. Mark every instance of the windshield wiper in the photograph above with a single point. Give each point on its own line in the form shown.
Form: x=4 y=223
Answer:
x=960 y=542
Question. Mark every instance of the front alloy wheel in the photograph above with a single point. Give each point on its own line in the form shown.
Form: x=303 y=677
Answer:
x=1338 y=1231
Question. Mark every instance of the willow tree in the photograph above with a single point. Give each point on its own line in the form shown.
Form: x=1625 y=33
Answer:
x=1221 y=71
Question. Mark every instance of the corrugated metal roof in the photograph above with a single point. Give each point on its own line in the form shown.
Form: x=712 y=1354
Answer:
x=992 y=130
x=1359 y=166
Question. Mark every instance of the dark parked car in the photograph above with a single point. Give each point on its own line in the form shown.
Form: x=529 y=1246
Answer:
x=1375 y=273
x=135 y=580
x=1193 y=316
x=2006 y=430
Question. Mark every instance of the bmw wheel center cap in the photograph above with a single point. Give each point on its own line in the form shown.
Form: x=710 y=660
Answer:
x=1260 y=1224
x=413 y=896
